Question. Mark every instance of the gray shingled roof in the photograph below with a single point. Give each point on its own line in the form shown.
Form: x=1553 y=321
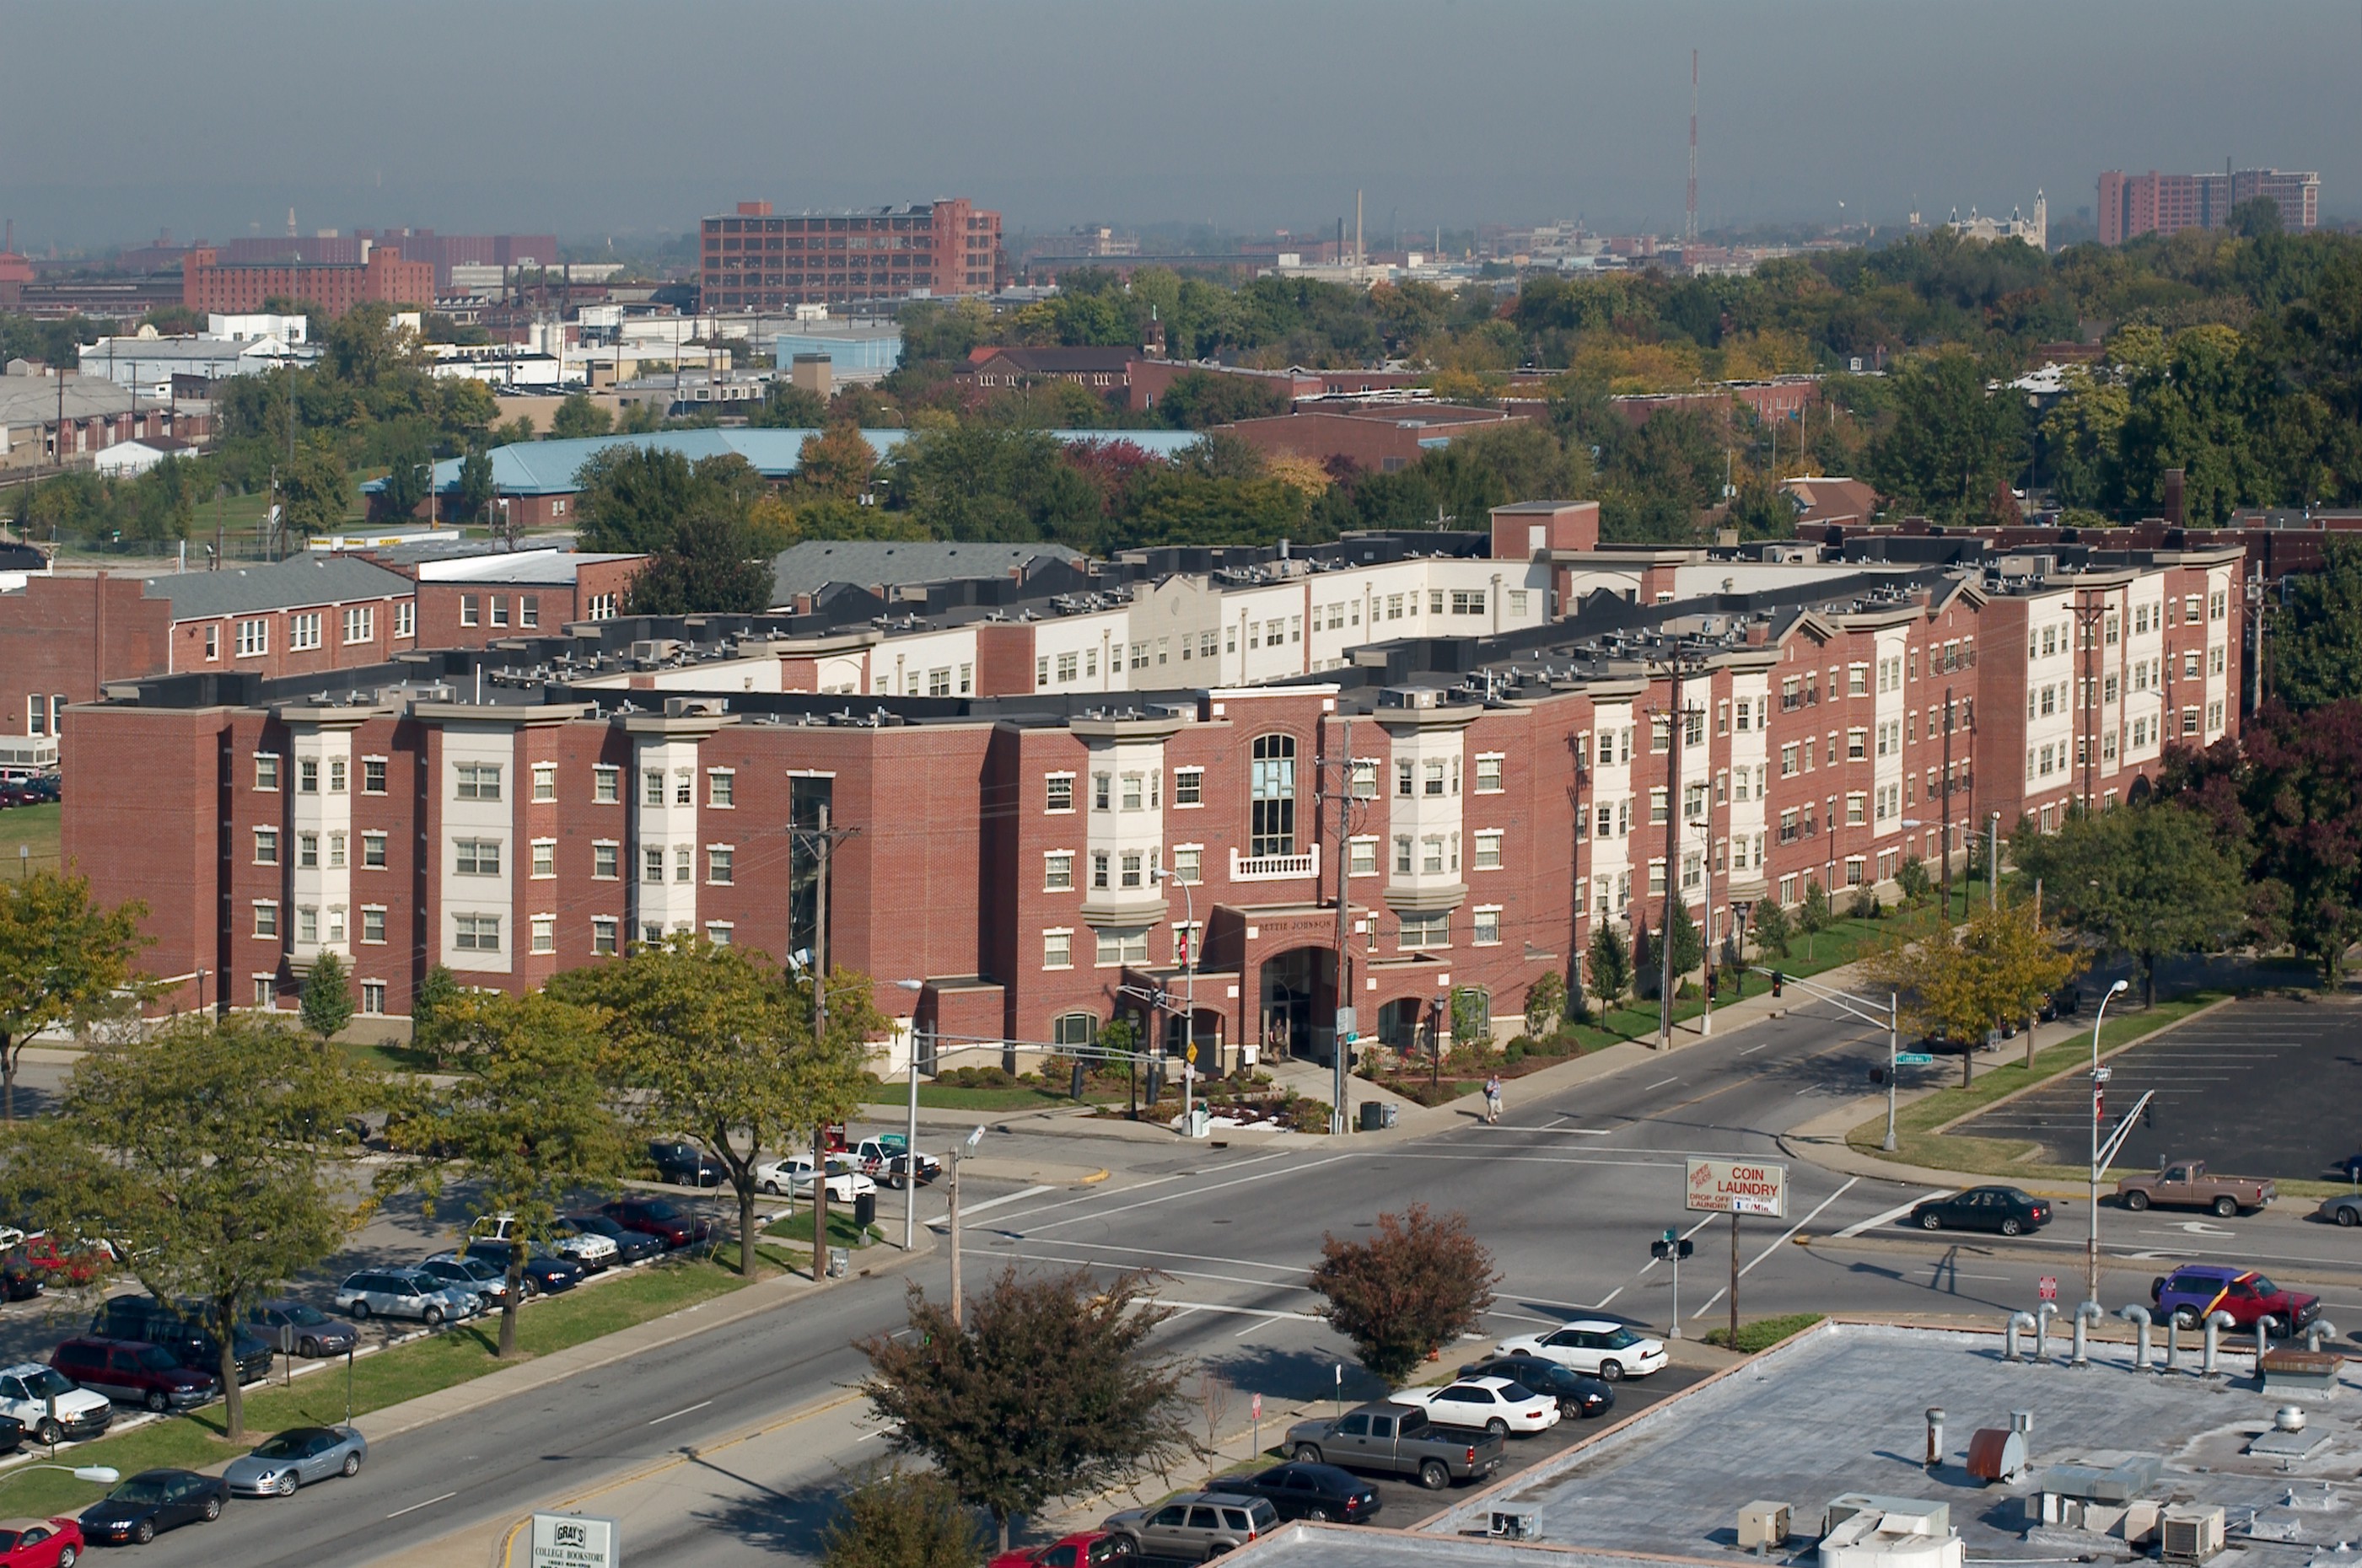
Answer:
x=287 y=585
x=889 y=562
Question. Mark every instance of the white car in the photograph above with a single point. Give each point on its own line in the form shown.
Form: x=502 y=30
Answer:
x=1499 y=1405
x=794 y=1176
x=53 y=1407
x=591 y=1250
x=1600 y=1346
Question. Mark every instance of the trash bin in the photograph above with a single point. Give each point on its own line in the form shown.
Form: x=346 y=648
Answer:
x=1201 y=1122
x=865 y=1209
x=840 y=1262
x=1388 y=1113
x=1373 y=1115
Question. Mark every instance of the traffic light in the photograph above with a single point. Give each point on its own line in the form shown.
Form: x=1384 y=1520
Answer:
x=1778 y=979
x=1877 y=1075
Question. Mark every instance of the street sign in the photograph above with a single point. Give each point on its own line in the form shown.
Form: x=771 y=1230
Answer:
x=1255 y=1410
x=1737 y=1187
x=2049 y=1290
x=1913 y=1058
x=1349 y=1022
x=574 y=1541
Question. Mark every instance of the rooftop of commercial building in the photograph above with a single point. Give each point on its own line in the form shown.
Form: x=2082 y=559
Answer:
x=808 y=568
x=1841 y=1411
x=283 y=584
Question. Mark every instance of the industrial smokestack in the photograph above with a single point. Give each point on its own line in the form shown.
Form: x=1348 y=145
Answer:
x=2173 y=477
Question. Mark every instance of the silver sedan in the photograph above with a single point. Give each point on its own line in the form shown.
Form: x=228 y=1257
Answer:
x=281 y=1463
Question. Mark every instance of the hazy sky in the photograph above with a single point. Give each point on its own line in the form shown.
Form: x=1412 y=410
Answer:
x=593 y=117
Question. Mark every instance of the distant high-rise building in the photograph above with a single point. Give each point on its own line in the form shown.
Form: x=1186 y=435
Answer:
x=232 y=288
x=2135 y=205
x=443 y=251
x=754 y=260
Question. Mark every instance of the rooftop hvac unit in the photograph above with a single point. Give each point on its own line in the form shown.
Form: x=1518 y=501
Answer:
x=1762 y=1527
x=1514 y=1524
x=2189 y=1532
x=1408 y=696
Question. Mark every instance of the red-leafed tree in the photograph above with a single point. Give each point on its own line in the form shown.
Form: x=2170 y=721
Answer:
x=1413 y=1288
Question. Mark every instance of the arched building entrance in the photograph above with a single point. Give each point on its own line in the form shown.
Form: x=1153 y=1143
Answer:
x=1296 y=1003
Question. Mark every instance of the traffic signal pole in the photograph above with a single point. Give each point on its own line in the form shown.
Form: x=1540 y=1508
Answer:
x=1859 y=1007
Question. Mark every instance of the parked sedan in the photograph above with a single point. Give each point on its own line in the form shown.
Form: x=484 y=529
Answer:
x=2004 y=1209
x=1577 y=1394
x=312 y=1331
x=684 y=1165
x=39 y=1543
x=2346 y=1211
x=488 y=1280
x=674 y=1226
x=152 y=1501
x=794 y=1175
x=1495 y=1404
x=280 y=1464
x=623 y=1243
x=404 y=1293
x=1315 y=1492
x=1090 y=1548
x=548 y=1271
x=1597 y=1345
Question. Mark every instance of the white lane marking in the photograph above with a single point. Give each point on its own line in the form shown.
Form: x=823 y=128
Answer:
x=1296 y=1268
x=1590 y=1131
x=1890 y=1215
x=1776 y=1246
x=685 y=1409
x=427 y=1504
x=967 y=1209
x=1192 y=1192
x=1068 y=1202
x=1753 y=1049
x=1685 y=1235
x=1661 y=1084
x=1602 y=1305
x=1264 y=1312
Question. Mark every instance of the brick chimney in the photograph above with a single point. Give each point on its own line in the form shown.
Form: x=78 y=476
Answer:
x=2173 y=497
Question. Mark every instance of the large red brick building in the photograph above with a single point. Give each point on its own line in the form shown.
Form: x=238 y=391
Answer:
x=543 y=805
x=233 y=288
x=756 y=259
x=2135 y=205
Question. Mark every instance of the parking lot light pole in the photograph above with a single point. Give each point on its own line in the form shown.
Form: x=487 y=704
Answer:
x=910 y=1140
x=2098 y=1082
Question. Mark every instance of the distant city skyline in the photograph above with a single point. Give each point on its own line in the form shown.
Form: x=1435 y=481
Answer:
x=576 y=119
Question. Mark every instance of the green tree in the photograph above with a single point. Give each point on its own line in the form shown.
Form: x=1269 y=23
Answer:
x=1045 y=1386
x=902 y=1519
x=63 y=959
x=2146 y=880
x=214 y=1153
x=2316 y=642
x=1953 y=445
x=1959 y=982
x=2255 y=217
x=408 y=481
x=1545 y=1005
x=720 y=1046
x=434 y=1016
x=314 y=489
x=1200 y=399
x=635 y=498
x=1682 y=937
x=1417 y=1284
x=475 y=491
x=980 y=482
x=836 y=463
x=577 y=415
x=533 y=1114
x=708 y=566
x=787 y=406
x=1772 y=933
x=1813 y=916
x=1610 y=962
x=327 y=998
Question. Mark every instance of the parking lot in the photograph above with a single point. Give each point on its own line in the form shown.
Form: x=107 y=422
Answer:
x=2264 y=1086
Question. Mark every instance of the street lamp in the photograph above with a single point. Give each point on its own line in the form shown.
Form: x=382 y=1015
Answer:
x=2099 y=1083
x=99 y=1475
x=911 y=1141
x=1189 y=985
x=1435 y=1052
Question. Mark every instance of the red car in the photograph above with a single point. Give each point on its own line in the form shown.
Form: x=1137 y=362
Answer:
x=669 y=1224
x=39 y=1543
x=1089 y=1550
x=78 y=1266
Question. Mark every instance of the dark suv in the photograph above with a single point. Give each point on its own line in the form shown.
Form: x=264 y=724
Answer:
x=2191 y=1292
x=192 y=1344
x=684 y=1165
x=131 y=1373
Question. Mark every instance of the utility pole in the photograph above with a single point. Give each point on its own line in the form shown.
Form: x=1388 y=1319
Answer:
x=1689 y=230
x=1676 y=717
x=824 y=840
x=2088 y=612
x=1944 y=832
x=1345 y=1026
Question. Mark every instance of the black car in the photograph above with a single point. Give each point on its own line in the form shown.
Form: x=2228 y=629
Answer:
x=2004 y=1209
x=547 y=1271
x=1316 y=1492
x=308 y=1331
x=179 y=1331
x=154 y=1500
x=684 y=1165
x=631 y=1246
x=1577 y=1394
x=20 y=1277
x=674 y=1226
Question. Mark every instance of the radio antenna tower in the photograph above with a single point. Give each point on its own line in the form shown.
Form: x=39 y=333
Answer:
x=1689 y=233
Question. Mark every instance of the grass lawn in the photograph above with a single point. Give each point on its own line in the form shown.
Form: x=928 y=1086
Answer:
x=29 y=827
x=387 y=1056
x=1918 y=1141
x=422 y=1366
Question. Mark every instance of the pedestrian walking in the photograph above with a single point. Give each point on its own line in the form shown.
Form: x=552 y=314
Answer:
x=1493 y=1099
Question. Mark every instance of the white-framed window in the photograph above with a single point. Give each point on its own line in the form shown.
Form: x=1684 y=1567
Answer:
x=213 y=644
x=1402 y=854
x=545 y=933
x=603 y=935
x=545 y=780
x=652 y=786
x=606 y=784
x=406 y=618
x=529 y=606
x=265 y=991
x=373 y=923
x=652 y=863
x=1430 y=928
x=1517 y=600
x=1058 y=792
x=1366 y=778
x=373 y=998
x=478 y=781
x=476 y=933
x=303 y=630
x=476 y=856
x=1041 y=672
x=1488 y=772
x=719 y=932
x=1361 y=857
x=335 y=851
x=684 y=788
x=603 y=607
x=1188 y=786
x=684 y=862
x=605 y=856
x=1485 y=930
x=373 y=851
x=307 y=851
x=1102 y=792
x=1058 y=949
x=1123 y=945
x=253 y=639
x=1058 y=871
x=1488 y=849
x=722 y=789
x=721 y=863
x=266 y=918
x=307 y=923
x=266 y=846
x=470 y=614
x=1431 y=853
x=361 y=623
x=1188 y=862
x=545 y=857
